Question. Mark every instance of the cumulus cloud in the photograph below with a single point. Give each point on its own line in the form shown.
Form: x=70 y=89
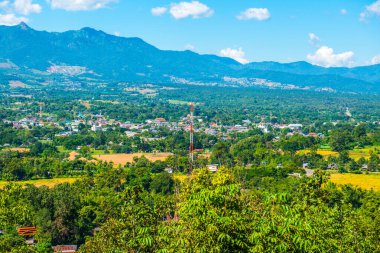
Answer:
x=314 y=39
x=26 y=7
x=370 y=10
x=375 y=60
x=326 y=57
x=159 y=11
x=236 y=54
x=9 y=10
x=194 y=9
x=343 y=11
x=11 y=19
x=259 y=14
x=79 y=5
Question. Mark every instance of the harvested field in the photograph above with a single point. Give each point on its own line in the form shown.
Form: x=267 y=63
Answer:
x=41 y=182
x=355 y=154
x=364 y=181
x=122 y=159
x=21 y=150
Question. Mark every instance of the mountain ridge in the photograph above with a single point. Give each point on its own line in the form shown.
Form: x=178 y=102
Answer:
x=133 y=59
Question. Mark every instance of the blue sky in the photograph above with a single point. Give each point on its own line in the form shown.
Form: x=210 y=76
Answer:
x=327 y=33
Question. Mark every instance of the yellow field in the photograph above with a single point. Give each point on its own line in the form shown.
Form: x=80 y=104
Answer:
x=355 y=154
x=368 y=182
x=21 y=150
x=122 y=159
x=320 y=152
x=42 y=182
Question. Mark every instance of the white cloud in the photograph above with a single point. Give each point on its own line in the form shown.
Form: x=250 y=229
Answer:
x=314 y=39
x=4 y=4
x=159 y=11
x=375 y=60
x=11 y=19
x=236 y=54
x=79 y=5
x=370 y=10
x=189 y=47
x=374 y=8
x=26 y=7
x=343 y=11
x=325 y=57
x=192 y=9
x=118 y=34
x=259 y=14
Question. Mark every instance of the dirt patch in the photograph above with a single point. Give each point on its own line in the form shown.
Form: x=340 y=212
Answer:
x=18 y=84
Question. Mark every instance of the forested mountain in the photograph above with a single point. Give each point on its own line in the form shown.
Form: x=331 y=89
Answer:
x=91 y=52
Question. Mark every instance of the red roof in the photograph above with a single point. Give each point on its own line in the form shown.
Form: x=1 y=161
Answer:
x=160 y=119
x=65 y=248
x=27 y=231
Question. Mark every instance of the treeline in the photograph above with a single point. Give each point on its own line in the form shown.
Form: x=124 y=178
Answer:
x=228 y=106
x=136 y=210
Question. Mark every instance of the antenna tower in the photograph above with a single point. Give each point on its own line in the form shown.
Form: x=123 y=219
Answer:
x=40 y=112
x=191 y=147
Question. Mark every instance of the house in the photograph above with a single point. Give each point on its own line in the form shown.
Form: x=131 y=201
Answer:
x=212 y=167
x=295 y=175
x=246 y=122
x=159 y=120
x=96 y=128
x=169 y=170
x=332 y=166
x=213 y=125
x=65 y=248
x=313 y=135
x=295 y=126
x=130 y=134
x=28 y=233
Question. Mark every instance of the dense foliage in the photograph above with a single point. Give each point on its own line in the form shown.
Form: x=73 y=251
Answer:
x=125 y=210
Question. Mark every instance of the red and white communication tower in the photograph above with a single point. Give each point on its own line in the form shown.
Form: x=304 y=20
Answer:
x=41 y=104
x=191 y=147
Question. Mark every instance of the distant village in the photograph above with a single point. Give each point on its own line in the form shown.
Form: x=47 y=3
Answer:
x=100 y=122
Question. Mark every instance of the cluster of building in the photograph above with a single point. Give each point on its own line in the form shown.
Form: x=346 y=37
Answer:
x=99 y=122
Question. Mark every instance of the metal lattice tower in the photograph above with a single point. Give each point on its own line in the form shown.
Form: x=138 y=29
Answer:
x=191 y=147
x=40 y=112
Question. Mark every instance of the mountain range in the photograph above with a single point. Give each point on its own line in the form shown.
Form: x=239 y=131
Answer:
x=97 y=54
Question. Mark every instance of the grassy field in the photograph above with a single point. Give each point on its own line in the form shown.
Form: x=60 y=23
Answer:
x=355 y=154
x=122 y=159
x=42 y=182
x=368 y=182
